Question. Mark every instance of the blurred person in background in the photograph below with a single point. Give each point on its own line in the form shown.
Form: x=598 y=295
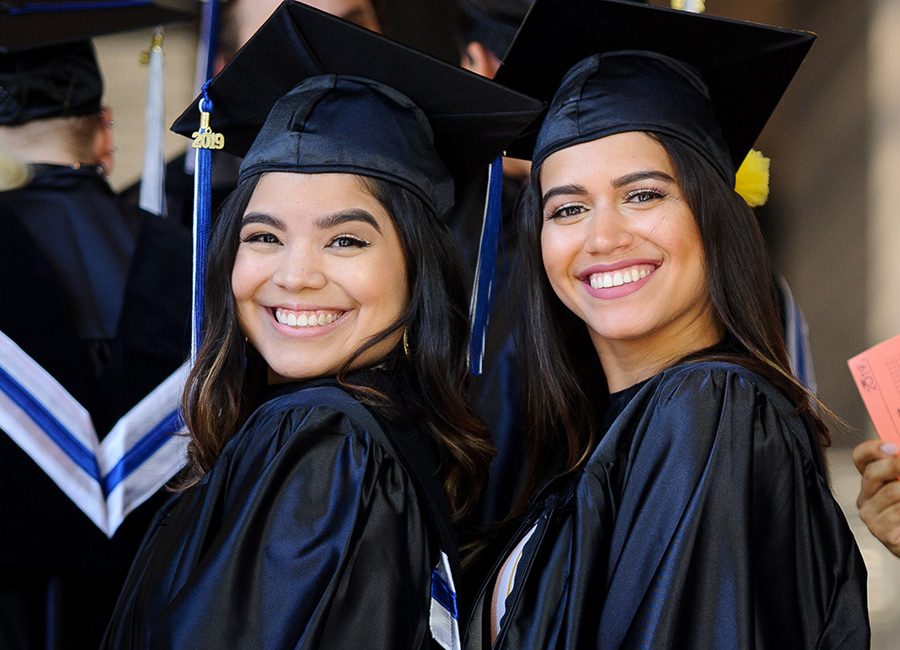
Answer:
x=97 y=294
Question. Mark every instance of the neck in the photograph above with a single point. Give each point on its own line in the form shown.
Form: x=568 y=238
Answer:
x=629 y=362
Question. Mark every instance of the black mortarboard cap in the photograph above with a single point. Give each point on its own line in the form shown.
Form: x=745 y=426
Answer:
x=48 y=67
x=366 y=105
x=54 y=81
x=26 y=24
x=711 y=81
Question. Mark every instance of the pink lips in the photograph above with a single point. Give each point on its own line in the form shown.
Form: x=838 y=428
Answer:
x=609 y=293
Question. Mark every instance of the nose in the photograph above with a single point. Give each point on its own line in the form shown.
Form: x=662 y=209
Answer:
x=299 y=269
x=607 y=231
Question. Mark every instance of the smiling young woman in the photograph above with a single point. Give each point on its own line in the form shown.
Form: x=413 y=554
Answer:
x=332 y=447
x=677 y=495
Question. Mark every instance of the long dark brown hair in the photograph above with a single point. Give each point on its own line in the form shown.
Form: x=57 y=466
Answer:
x=560 y=363
x=229 y=378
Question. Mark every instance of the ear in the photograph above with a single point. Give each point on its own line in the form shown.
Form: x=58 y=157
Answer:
x=103 y=146
x=480 y=60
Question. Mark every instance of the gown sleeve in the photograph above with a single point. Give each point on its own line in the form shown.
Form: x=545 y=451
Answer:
x=726 y=534
x=307 y=534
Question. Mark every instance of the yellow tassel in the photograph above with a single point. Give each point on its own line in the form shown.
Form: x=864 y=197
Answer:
x=752 y=179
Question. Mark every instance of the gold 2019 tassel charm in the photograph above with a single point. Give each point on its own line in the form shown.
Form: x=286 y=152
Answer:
x=205 y=138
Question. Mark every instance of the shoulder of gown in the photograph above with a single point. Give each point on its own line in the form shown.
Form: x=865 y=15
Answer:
x=703 y=519
x=725 y=506
x=307 y=533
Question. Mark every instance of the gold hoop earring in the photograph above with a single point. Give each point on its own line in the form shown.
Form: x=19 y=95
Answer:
x=406 y=341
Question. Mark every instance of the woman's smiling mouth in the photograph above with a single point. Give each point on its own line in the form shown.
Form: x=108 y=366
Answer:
x=306 y=318
x=618 y=277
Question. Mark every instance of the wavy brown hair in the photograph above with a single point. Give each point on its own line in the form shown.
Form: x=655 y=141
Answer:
x=229 y=378
x=560 y=363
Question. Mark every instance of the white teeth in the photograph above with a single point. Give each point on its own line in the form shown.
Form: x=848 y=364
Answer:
x=292 y=319
x=618 y=278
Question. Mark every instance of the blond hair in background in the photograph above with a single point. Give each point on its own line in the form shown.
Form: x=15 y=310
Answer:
x=14 y=172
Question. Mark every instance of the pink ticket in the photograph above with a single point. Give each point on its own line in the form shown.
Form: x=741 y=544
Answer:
x=877 y=375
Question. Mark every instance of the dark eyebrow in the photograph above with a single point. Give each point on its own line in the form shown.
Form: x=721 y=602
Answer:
x=562 y=189
x=263 y=218
x=639 y=176
x=346 y=216
x=618 y=182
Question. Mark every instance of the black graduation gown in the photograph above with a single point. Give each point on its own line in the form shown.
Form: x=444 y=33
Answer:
x=309 y=532
x=702 y=519
x=59 y=574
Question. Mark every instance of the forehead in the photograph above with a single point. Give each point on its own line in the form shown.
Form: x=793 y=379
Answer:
x=608 y=157
x=291 y=193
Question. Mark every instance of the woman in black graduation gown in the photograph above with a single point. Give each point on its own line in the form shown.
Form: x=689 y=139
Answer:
x=688 y=505
x=331 y=444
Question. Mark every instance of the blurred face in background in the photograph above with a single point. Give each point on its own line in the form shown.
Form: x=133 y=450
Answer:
x=246 y=16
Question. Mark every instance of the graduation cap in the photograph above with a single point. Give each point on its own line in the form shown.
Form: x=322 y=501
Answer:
x=367 y=105
x=28 y=24
x=48 y=67
x=710 y=81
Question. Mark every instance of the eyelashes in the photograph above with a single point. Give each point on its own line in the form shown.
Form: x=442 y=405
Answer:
x=341 y=241
x=349 y=241
x=261 y=237
x=644 y=195
x=565 y=211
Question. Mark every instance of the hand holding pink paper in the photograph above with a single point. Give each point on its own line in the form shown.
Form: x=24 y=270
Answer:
x=877 y=375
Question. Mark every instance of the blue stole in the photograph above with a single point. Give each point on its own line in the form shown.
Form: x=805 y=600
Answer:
x=108 y=479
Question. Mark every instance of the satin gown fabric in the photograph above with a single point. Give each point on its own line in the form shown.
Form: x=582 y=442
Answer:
x=307 y=533
x=702 y=519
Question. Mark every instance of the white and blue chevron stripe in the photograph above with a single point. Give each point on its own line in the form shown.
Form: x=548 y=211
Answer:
x=106 y=480
x=444 y=617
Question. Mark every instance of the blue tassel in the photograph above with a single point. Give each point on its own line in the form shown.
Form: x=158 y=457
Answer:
x=207 y=48
x=204 y=142
x=480 y=307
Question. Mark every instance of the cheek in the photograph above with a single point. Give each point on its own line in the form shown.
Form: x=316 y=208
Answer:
x=394 y=288
x=382 y=287
x=556 y=253
x=241 y=278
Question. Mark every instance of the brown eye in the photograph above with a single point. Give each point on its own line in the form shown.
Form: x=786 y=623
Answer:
x=643 y=196
x=565 y=212
x=262 y=237
x=348 y=241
